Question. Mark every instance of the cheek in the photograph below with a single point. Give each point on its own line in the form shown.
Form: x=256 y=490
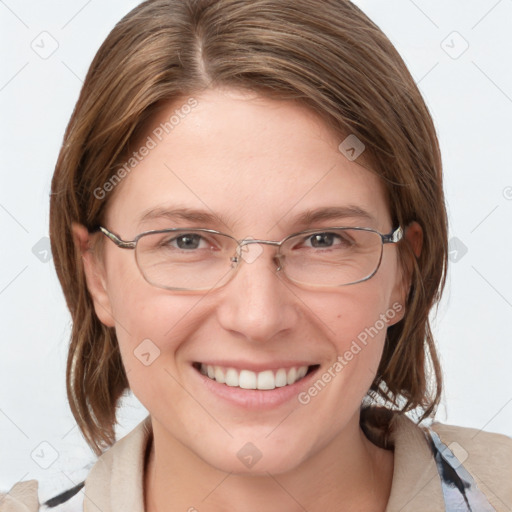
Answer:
x=151 y=331
x=362 y=312
x=356 y=322
x=150 y=323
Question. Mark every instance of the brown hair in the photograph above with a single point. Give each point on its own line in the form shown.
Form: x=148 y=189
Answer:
x=330 y=57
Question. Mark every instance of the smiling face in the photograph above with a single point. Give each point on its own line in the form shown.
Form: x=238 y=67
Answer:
x=253 y=167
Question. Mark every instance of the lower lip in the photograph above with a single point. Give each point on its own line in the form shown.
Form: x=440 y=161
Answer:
x=256 y=399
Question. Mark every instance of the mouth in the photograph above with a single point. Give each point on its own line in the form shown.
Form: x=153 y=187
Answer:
x=264 y=380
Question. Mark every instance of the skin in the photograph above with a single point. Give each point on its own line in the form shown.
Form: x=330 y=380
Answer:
x=257 y=163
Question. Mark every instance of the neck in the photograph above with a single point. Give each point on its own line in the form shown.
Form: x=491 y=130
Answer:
x=348 y=473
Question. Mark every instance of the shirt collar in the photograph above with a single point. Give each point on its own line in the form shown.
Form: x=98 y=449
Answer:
x=116 y=480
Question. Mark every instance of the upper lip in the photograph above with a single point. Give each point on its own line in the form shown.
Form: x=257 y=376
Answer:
x=255 y=367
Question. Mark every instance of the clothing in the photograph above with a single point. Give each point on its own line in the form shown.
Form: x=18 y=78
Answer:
x=430 y=466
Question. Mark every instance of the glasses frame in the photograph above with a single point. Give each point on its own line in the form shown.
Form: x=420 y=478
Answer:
x=390 y=238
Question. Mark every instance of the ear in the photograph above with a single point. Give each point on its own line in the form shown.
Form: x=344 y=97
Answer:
x=94 y=273
x=413 y=237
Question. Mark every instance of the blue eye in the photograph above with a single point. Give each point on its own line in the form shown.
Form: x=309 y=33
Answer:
x=184 y=242
x=322 y=239
x=187 y=241
x=327 y=240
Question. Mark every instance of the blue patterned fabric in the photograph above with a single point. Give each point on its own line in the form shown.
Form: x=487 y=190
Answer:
x=460 y=491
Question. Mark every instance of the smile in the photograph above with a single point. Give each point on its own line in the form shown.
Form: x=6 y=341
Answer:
x=247 y=379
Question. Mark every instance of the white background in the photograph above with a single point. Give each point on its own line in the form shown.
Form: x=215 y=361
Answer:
x=470 y=98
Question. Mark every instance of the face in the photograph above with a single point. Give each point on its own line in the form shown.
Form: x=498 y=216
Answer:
x=248 y=166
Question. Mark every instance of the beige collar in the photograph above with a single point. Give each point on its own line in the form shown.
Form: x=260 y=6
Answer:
x=416 y=484
x=115 y=482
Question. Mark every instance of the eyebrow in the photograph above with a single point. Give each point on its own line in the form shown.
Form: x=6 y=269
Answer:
x=334 y=213
x=187 y=214
x=304 y=219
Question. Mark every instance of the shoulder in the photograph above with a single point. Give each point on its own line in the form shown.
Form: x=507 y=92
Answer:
x=477 y=447
x=24 y=497
x=436 y=465
x=486 y=456
x=64 y=492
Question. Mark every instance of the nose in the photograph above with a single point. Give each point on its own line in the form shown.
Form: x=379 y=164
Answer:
x=257 y=304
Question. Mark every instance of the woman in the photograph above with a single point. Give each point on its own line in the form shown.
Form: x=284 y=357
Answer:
x=248 y=223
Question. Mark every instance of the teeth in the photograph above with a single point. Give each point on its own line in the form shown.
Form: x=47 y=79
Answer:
x=219 y=375
x=281 y=379
x=266 y=380
x=232 y=377
x=247 y=379
x=292 y=376
x=301 y=372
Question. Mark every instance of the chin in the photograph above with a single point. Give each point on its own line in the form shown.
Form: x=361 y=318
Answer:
x=255 y=458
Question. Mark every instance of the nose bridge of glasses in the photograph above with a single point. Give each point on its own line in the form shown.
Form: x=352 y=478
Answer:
x=250 y=255
x=247 y=241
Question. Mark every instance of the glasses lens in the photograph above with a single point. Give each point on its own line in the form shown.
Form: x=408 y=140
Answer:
x=185 y=259
x=334 y=257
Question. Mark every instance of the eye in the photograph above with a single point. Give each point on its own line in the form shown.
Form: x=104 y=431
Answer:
x=186 y=241
x=327 y=240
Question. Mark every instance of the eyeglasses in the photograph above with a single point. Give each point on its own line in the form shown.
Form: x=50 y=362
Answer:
x=202 y=259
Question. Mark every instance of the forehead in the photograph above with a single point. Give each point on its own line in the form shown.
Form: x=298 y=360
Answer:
x=254 y=163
